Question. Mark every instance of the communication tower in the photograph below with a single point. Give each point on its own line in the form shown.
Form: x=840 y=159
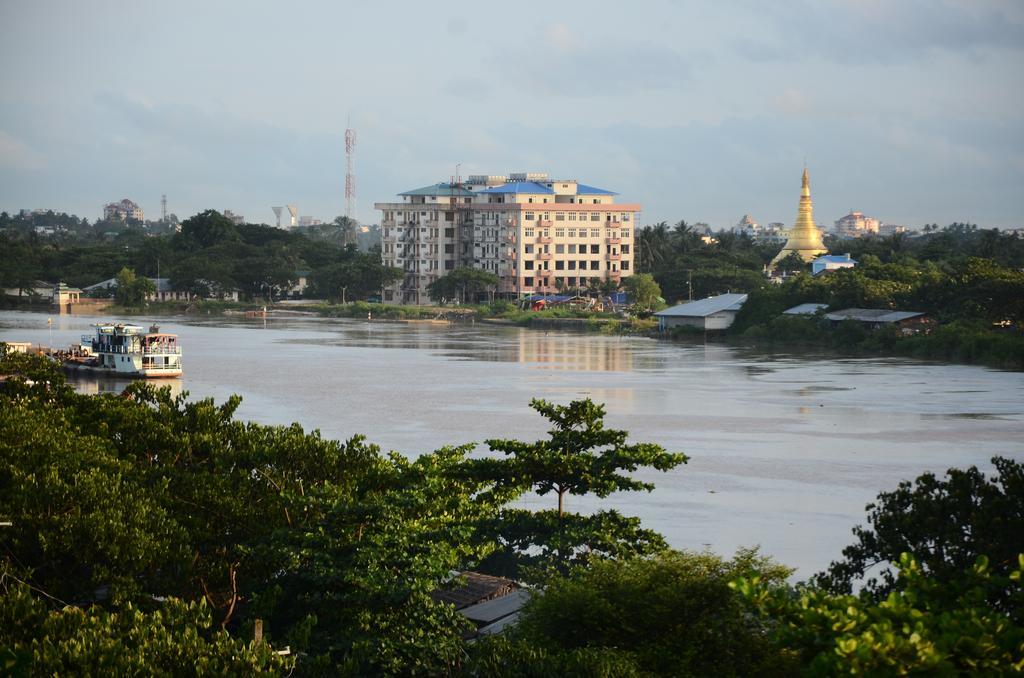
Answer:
x=350 y=173
x=163 y=208
x=277 y=215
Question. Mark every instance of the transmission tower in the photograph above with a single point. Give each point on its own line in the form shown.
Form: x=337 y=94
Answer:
x=163 y=208
x=350 y=173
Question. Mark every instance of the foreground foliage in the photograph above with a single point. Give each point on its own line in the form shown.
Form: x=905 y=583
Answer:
x=672 y=614
x=944 y=523
x=926 y=626
x=150 y=533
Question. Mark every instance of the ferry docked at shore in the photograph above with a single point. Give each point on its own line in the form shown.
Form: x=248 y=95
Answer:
x=126 y=351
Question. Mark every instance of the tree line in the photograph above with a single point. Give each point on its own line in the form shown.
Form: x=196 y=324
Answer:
x=209 y=256
x=150 y=533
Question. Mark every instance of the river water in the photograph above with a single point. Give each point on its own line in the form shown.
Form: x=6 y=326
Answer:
x=785 y=450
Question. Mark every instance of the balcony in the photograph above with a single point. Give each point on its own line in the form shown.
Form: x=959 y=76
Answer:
x=543 y=223
x=543 y=240
x=614 y=256
x=613 y=241
x=509 y=238
x=543 y=256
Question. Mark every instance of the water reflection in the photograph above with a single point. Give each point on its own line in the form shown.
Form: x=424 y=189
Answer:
x=95 y=386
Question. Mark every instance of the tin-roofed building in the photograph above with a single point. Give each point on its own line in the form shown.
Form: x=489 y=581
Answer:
x=713 y=313
x=537 y=234
x=831 y=262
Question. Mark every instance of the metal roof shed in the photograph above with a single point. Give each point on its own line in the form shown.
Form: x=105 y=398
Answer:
x=713 y=313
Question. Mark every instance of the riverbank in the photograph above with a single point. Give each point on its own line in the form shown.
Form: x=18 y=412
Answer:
x=957 y=342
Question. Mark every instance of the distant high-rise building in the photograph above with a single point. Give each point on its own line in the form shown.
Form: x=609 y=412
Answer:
x=122 y=211
x=856 y=225
x=235 y=218
x=805 y=236
x=536 y=234
x=892 y=229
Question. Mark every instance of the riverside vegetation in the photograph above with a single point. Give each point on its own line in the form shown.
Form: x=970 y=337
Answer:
x=149 y=534
x=969 y=280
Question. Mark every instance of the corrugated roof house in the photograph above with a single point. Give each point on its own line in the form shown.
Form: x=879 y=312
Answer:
x=713 y=313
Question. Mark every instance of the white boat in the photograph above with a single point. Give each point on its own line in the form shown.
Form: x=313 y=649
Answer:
x=127 y=351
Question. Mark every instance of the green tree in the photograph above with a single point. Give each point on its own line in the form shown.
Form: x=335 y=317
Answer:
x=672 y=614
x=207 y=229
x=356 y=276
x=130 y=641
x=580 y=456
x=792 y=262
x=132 y=290
x=644 y=291
x=926 y=626
x=465 y=284
x=944 y=523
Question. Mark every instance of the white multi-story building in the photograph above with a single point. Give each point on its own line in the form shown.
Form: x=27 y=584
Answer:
x=122 y=211
x=536 y=234
x=856 y=225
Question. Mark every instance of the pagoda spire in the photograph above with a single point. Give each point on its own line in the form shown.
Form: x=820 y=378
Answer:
x=805 y=236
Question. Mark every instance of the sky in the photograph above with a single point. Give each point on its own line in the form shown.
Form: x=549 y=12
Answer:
x=907 y=110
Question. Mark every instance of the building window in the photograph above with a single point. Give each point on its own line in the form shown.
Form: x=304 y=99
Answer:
x=595 y=266
x=559 y=216
x=625 y=249
x=597 y=201
x=595 y=216
x=528 y=249
x=529 y=233
x=529 y=200
x=572 y=264
x=572 y=249
x=595 y=249
x=559 y=249
x=449 y=265
x=528 y=216
x=625 y=265
x=529 y=264
x=572 y=232
x=625 y=216
x=559 y=265
x=559 y=232
x=594 y=233
x=528 y=281
x=625 y=233
x=449 y=232
x=572 y=216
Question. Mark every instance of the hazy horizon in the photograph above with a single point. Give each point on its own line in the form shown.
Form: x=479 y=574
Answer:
x=907 y=111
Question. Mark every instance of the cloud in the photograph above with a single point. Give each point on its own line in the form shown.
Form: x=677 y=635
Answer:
x=792 y=101
x=560 y=37
x=17 y=155
x=881 y=31
x=559 y=62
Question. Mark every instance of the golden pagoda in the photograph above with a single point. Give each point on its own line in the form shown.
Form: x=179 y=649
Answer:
x=804 y=237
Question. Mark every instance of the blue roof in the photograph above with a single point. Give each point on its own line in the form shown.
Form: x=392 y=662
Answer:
x=520 y=187
x=836 y=259
x=440 y=189
x=582 y=189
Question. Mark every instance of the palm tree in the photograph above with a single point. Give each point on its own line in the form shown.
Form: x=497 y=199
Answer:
x=652 y=246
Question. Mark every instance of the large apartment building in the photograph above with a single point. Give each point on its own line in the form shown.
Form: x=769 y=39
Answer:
x=536 y=234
